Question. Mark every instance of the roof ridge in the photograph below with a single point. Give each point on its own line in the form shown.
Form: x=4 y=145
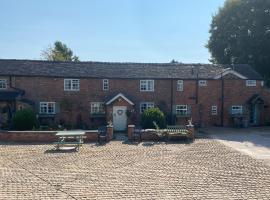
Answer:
x=113 y=62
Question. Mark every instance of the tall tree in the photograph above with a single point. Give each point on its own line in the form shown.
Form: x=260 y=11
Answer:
x=240 y=33
x=59 y=52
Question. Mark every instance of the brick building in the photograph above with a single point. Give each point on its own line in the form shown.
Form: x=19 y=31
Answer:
x=90 y=94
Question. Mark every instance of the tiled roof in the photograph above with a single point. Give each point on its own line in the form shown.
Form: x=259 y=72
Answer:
x=118 y=70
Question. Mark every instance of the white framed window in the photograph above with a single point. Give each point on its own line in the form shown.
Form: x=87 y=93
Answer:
x=214 y=110
x=147 y=85
x=202 y=83
x=146 y=105
x=237 y=109
x=47 y=107
x=180 y=85
x=71 y=84
x=97 y=108
x=181 y=110
x=105 y=84
x=262 y=83
x=250 y=83
x=3 y=84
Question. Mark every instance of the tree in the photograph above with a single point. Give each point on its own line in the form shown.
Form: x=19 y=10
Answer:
x=59 y=52
x=25 y=120
x=153 y=116
x=240 y=33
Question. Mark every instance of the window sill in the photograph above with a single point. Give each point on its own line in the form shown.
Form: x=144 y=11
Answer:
x=187 y=115
x=46 y=115
x=97 y=115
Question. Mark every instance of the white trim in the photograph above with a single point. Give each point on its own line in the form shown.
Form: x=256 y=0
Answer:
x=251 y=83
x=100 y=107
x=4 y=83
x=181 y=109
x=214 y=110
x=230 y=71
x=237 y=109
x=46 y=104
x=202 y=83
x=147 y=82
x=117 y=96
x=71 y=84
x=180 y=86
x=105 y=84
x=148 y=104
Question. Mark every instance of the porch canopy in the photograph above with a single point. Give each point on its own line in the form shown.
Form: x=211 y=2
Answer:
x=117 y=97
x=9 y=95
x=255 y=99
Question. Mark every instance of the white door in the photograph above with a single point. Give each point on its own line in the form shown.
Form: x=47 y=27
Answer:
x=119 y=118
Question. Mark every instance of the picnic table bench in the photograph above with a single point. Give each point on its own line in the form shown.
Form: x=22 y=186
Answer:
x=69 y=139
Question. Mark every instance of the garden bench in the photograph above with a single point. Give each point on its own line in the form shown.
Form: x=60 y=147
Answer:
x=176 y=131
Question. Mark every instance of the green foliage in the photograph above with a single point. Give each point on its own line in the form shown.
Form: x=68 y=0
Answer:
x=152 y=118
x=25 y=120
x=59 y=52
x=240 y=33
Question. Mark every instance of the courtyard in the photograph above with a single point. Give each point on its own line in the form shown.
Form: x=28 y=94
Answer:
x=204 y=169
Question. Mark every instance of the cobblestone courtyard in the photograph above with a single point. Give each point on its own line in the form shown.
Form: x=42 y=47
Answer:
x=205 y=169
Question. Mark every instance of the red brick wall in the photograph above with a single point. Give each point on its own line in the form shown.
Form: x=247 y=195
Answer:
x=39 y=136
x=52 y=89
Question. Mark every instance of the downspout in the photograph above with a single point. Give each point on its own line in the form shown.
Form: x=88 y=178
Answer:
x=172 y=121
x=222 y=100
x=197 y=88
x=22 y=92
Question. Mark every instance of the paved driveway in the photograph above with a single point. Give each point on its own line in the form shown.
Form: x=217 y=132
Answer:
x=251 y=141
x=205 y=169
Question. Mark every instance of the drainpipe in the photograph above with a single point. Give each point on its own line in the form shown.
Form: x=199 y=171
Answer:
x=22 y=92
x=197 y=88
x=172 y=121
x=222 y=100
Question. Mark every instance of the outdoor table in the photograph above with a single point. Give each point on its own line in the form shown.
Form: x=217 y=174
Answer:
x=77 y=136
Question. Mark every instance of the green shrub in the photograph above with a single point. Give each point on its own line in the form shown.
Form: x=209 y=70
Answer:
x=24 y=120
x=150 y=116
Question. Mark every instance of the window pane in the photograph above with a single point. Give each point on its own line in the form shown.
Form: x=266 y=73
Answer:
x=3 y=84
x=180 y=85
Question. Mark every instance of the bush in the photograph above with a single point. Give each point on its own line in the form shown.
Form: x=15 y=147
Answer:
x=24 y=120
x=152 y=115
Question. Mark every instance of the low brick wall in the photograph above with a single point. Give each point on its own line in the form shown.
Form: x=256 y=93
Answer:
x=150 y=135
x=39 y=136
x=91 y=136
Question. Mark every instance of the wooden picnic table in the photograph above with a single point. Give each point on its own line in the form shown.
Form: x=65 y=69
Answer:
x=69 y=138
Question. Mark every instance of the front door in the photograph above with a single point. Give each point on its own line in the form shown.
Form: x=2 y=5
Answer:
x=255 y=115
x=119 y=118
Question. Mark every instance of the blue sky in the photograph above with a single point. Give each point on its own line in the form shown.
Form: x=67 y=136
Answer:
x=109 y=30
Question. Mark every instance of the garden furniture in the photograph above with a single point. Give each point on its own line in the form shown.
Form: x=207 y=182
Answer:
x=69 y=139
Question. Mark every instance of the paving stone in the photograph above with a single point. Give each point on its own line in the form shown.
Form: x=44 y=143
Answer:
x=205 y=169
